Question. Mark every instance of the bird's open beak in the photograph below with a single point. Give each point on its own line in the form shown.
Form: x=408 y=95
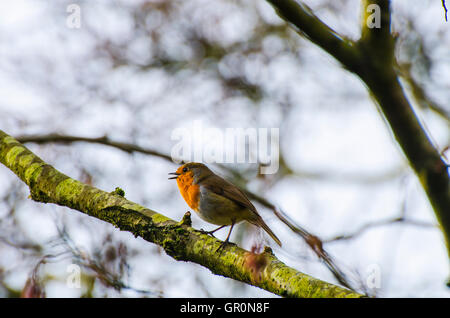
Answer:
x=176 y=175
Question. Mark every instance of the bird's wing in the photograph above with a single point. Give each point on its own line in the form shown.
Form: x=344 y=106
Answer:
x=228 y=190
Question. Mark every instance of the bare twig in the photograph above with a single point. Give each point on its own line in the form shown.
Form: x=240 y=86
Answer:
x=445 y=9
x=372 y=59
x=66 y=139
x=376 y=224
x=313 y=241
x=106 y=277
x=419 y=93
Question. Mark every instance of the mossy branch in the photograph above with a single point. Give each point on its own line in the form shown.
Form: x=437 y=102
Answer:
x=372 y=59
x=307 y=24
x=178 y=239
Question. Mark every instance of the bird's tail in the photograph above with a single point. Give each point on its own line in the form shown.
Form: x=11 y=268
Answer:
x=260 y=222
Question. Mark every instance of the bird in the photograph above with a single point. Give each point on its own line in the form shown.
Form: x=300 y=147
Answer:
x=216 y=200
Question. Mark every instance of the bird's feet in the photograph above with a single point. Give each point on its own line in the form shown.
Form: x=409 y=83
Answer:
x=207 y=232
x=223 y=244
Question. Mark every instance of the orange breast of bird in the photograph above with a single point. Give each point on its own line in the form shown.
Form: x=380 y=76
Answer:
x=189 y=190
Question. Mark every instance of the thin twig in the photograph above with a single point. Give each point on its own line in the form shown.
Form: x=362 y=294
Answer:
x=66 y=139
x=445 y=10
x=372 y=225
x=106 y=277
x=313 y=241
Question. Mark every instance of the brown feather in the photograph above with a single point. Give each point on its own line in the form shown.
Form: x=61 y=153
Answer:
x=228 y=190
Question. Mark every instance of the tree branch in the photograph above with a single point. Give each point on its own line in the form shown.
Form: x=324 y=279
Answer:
x=375 y=224
x=310 y=26
x=372 y=59
x=178 y=239
x=66 y=139
x=130 y=148
x=420 y=95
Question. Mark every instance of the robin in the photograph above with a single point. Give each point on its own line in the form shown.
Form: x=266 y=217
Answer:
x=216 y=200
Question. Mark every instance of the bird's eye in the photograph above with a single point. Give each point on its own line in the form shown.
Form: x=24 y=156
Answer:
x=184 y=169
